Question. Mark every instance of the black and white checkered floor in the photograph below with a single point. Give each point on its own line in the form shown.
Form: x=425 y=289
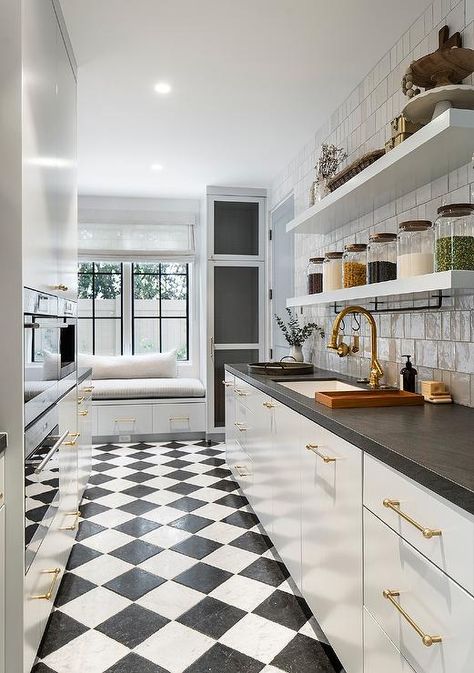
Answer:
x=171 y=572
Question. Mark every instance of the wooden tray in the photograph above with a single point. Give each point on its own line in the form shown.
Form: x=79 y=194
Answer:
x=353 y=399
x=280 y=368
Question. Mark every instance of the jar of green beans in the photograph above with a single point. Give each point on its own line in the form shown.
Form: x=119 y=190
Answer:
x=454 y=237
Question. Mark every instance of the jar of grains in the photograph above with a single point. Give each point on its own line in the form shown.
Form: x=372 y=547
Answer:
x=354 y=264
x=315 y=275
x=415 y=248
x=332 y=271
x=382 y=258
x=454 y=234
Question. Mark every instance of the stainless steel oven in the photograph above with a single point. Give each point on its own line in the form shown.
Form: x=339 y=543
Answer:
x=67 y=313
x=42 y=474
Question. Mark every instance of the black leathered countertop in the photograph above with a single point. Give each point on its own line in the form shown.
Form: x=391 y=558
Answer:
x=432 y=444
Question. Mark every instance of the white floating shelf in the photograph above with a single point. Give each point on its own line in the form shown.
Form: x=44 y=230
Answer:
x=438 y=148
x=432 y=282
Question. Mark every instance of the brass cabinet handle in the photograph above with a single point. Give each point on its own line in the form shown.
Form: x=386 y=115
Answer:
x=427 y=533
x=76 y=516
x=179 y=418
x=55 y=572
x=426 y=639
x=324 y=458
x=269 y=405
x=242 y=471
x=240 y=426
x=227 y=384
x=125 y=420
x=84 y=412
x=61 y=286
x=241 y=393
x=80 y=400
x=89 y=389
x=72 y=442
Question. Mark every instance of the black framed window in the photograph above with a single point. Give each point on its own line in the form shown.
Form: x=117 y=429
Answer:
x=160 y=308
x=100 y=308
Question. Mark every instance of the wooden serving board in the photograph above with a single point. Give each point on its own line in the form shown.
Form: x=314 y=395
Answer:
x=353 y=399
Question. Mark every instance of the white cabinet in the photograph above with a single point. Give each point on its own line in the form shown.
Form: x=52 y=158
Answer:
x=380 y=654
x=331 y=532
x=175 y=417
x=125 y=421
x=2 y=588
x=84 y=426
x=69 y=453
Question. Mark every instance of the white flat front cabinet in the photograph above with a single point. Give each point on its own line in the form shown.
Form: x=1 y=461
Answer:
x=69 y=456
x=437 y=605
x=284 y=473
x=179 y=417
x=380 y=654
x=331 y=476
x=2 y=589
x=124 y=420
x=260 y=449
x=428 y=510
x=84 y=456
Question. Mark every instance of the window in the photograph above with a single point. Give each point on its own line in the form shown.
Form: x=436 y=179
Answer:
x=100 y=308
x=133 y=308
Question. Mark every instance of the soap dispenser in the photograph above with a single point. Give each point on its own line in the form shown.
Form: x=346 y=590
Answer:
x=408 y=376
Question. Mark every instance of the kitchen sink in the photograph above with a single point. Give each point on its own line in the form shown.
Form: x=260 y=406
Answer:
x=310 y=388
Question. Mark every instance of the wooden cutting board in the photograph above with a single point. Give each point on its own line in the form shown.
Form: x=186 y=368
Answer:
x=353 y=399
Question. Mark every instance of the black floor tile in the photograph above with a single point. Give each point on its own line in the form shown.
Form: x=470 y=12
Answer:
x=206 y=443
x=132 y=663
x=142 y=445
x=221 y=658
x=285 y=609
x=42 y=668
x=139 y=491
x=183 y=488
x=60 y=630
x=219 y=473
x=137 y=526
x=107 y=456
x=216 y=462
x=107 y=447
x=71 y=587
x=242 y=519
x=138 y=507
x=132 y=625
x=180 y=475
x=176 y=463
x=140 y=465
x=87 y=529
x=225 y=485
x=134 y=583
x=208 y=452
x=191 y=522
x=90 y=509
x=233 y=500
x=136 y=551
x=254 y=542
x=196 y=547
x=203 y=577
x=304 y=654
x=98 y=479
x=80 y=555
x=103 y=467
x=139 y=477
x=95 y=493
x=266 y=570
x=212 y=617
x=187 y=504
x=143 y=455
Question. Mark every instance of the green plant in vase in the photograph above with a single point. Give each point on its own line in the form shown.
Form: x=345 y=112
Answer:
x=296 y=334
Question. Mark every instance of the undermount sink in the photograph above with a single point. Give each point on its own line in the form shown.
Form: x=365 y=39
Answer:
x=310 y=388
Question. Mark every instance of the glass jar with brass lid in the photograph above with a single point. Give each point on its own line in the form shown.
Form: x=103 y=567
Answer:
x=315 y=275
x=415 y=248
x=354 y=265
x=332 y=271
x=454 y=237
x=382 y=257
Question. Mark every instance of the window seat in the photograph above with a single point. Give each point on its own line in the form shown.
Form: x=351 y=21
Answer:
x=136 y=389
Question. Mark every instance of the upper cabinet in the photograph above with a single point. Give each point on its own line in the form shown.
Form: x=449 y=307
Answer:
x=49 y=154
x=236 y=227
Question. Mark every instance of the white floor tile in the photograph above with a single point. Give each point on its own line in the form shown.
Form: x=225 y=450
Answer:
x=112 y=518
x=214 y=511
x=94 y=607
x=168 y=564
x=208 y=494
x=93 y=652
x=102 y=569
x=164 y=514
x=166 y=536
x=161 y=497
x=108 y=540
x=118 y=484
x=114 y=500
x=221 y=532
x=242 y=592
x=232 y=559
x=175 y=647
x=201 y=480
x=171 y=599
x=258 y=637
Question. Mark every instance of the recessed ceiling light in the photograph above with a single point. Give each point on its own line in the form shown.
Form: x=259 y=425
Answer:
x=156 y=167
x=162 y=87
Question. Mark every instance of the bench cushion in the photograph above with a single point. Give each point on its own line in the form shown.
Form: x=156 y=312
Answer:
x=132 y=389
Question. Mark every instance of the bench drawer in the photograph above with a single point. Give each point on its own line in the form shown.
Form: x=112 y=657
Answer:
x=397 y=577
x=383 y=484
x=380 y=654
x=179 y=417
x=124 y=420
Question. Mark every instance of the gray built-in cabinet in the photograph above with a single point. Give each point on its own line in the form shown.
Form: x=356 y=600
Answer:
x=236 y=246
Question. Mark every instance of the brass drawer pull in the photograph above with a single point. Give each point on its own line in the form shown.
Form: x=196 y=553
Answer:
x=240 y=426
x=88 y=389
x=80 y=400
x=242 y=471
x=61 y=286
x=55 y=572
x=227 y=384
x=72 y=442
x=241 y=393
x=324 y=458
x=426 y=639
x=125 y=420
x=84 y=412
x=427 y=533
x=269 y=405
x=179 y=418
x=75 y=514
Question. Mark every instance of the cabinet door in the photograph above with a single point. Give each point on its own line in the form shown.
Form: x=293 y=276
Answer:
x=66 y=202
x=236 y=227
x=331 y=520
x=69 y=452
x=2 y=589
x=84 y=455
x=284 y=474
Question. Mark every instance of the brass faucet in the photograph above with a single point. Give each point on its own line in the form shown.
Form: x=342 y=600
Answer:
x=376 y=371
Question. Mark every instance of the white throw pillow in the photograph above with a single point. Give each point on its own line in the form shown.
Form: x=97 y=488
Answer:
x=51 y=365
x=148 y=366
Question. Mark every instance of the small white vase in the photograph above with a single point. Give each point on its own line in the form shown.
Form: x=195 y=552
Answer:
x=296 y=352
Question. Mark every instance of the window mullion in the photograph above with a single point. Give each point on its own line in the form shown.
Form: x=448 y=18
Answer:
x=127 y=308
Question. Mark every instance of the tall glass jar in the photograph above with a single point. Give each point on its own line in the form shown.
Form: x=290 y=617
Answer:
x=354 y=265
x=382 y=258
x=415 y=248
x=332 y=271
x=315 y=275
x=454 y=235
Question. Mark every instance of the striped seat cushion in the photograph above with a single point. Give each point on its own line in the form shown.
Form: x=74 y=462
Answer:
x=131 y=389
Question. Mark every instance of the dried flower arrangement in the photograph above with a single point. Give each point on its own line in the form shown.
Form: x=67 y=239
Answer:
x=330 y=159
x=294 y=333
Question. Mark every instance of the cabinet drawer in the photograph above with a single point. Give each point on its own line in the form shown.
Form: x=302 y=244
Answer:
x=126 y=420
x=241 y=465
x=380 y=654
x=430 y=512
x=437 y=606
x=185 y=417
x=244 y=392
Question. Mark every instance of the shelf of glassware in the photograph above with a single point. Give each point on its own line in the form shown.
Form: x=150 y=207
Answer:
x=446 y=143
x=446 y=281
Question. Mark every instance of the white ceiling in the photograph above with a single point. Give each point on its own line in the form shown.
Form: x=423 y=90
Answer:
x=252 y=80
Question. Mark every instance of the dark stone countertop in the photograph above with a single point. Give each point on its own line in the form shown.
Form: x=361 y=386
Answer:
x=431 y=444
x=3 y=442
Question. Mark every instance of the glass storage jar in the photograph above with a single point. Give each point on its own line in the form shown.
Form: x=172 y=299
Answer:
x=315 y=275
x=415 y=248
x=332 y=271
x=454 y=235
x=354 y=265
x=382 y=258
